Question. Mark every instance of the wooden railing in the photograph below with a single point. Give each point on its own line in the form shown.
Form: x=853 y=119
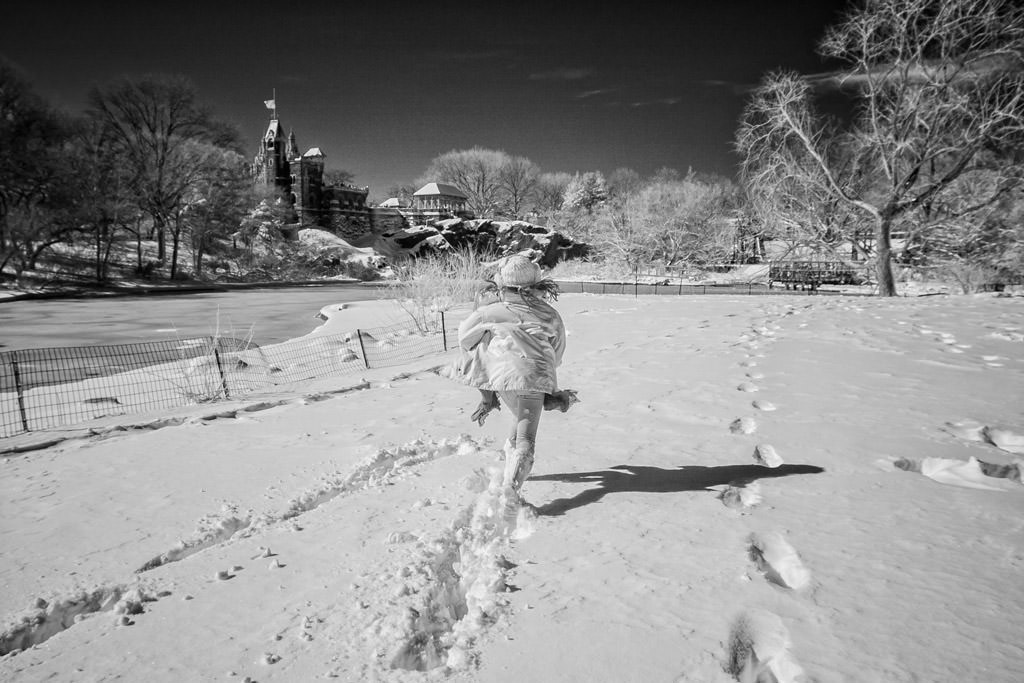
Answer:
x=811 y=273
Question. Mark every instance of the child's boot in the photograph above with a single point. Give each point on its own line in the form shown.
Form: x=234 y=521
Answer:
x=518 y=467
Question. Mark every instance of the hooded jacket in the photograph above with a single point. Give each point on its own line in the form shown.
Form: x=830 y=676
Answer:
x=511 y=345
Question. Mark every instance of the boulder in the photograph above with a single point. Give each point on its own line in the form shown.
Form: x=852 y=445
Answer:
x=500 y=237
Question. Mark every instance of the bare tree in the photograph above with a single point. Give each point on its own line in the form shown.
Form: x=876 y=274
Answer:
x=34 y=173
x=476 y=171
x=518 y=179
x=550 y=191
x=622 y=182
x=150 y=121
x=940 y=83
x=686 y=220
x=217 y=202
x=789 y=199
x=403 y=193
x=101 y=203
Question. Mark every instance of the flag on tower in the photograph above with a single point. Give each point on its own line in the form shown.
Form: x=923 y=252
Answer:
x=271 y=104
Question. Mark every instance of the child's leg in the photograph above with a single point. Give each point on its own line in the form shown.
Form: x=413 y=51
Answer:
x=526 y=409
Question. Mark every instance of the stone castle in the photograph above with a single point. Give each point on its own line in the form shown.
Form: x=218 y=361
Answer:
x=299 y=177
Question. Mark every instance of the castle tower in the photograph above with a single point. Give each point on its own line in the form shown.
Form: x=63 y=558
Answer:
x=270 y=166
x=292 y=151
x=308 y=171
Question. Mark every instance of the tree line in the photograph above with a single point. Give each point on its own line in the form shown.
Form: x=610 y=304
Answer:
x=145 y=159
x=670 y=218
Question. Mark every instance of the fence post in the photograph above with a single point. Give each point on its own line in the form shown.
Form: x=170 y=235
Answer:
x=444 y=333
x=21 y=397
x=366 y=361
x=220 y=369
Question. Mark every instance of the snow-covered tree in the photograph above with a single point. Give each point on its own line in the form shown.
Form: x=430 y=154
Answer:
x=585 y=191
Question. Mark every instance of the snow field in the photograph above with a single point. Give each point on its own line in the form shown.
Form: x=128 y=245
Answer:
x=377 y=546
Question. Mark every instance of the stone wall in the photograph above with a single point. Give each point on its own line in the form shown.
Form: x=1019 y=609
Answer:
x=386 y=220
x=356 y=224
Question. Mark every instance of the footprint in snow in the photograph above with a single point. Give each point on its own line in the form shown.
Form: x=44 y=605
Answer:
x=1000 y=437
x=740 y=496
x=743 y=425
x=778 y=561
x=1004 y=439
x=759 y=650
x=970 y=474
x=767 y=455
x=748 y=387
x=766 y=406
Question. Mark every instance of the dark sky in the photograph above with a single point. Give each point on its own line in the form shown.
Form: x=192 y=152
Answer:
x=383 y=87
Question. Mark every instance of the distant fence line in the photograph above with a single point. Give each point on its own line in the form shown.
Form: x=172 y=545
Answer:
x=668 y=288
x=52 y=387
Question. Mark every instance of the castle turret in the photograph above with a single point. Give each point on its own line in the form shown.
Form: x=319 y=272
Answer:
x=272 y=164
x=292 y=151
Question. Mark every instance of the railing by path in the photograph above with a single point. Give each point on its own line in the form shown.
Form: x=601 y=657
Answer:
x=669 y=288
x=812 y=273
x=52 y=387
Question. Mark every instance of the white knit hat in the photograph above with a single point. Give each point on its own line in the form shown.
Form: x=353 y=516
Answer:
x=517 y=271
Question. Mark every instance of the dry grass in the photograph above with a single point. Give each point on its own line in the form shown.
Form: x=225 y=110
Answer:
x=429 y=285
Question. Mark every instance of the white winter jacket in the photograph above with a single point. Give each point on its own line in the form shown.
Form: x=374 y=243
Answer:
x=511 y=345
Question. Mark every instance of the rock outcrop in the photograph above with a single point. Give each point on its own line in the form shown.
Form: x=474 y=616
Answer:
x=486 y=236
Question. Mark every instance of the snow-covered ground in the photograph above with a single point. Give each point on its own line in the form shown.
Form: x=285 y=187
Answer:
x=823 y=488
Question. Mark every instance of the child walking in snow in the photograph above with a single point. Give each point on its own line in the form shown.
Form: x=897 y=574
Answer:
x=511 y=348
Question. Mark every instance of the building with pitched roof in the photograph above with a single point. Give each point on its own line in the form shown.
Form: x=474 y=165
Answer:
x=440 y=200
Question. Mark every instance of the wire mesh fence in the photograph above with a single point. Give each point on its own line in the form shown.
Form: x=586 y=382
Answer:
x=53 y=387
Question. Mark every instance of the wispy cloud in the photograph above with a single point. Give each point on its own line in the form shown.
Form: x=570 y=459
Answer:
x=734 y=87
x=665 y=101
x=561 y=74
x=593 y=93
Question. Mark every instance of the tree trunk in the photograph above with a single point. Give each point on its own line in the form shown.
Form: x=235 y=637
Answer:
x=161 y=244
x=174 y=253
x=107 y=248
x=99 y=252
x=883 y=254
x=197 y=261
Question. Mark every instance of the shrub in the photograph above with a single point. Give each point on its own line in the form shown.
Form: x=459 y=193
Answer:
x=428 y=285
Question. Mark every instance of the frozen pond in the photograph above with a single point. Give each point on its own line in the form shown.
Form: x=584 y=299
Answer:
x=272 y=315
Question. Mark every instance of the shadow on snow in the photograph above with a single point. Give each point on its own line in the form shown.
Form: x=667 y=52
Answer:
x=643 y=479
